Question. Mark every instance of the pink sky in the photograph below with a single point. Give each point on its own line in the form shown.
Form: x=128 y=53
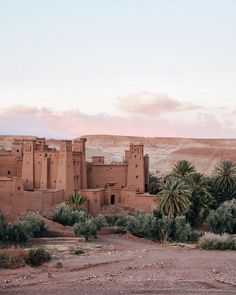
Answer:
x=142 y=114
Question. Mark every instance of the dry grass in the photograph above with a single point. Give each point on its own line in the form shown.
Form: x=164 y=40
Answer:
x=13 y=257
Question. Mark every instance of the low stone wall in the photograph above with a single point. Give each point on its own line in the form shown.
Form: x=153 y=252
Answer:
x=14 y=200
x=131 y=200
x=42 y=201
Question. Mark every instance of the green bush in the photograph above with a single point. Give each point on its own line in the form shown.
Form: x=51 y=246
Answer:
x=37 y=257
x=180 y=229
x=122 y=219
x=63 y=214
x=223 y=219
x=18 y=233
x=111 y=219
x=154 y=184
x=68 y=216
x=87 y=228
x=163 y=229
x=34 y=223
x=100 y=221
x=141 y=223
x=27 y=226
x=212 y=241
x=195 y=235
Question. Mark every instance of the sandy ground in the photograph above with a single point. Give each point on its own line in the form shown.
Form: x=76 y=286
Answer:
x=124 y=265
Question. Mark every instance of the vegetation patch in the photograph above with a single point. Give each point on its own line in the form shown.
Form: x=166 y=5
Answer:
x=212 y=241
x=37 y=257
x=12 y=258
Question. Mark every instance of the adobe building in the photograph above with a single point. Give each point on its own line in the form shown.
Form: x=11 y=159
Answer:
x=36 y=177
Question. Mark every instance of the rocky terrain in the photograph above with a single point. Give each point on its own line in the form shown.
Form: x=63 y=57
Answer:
x=117 y=264
x=163 y=151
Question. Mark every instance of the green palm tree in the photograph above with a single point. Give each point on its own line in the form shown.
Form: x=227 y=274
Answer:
x=77 y=200
x=173 y=199
x=200 y=197
x=182 y=168
x=224 y=180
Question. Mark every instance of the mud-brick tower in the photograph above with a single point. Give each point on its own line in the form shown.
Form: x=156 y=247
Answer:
x=136 y=178
x=28 y=164
x=65 y=174
x=79 y=150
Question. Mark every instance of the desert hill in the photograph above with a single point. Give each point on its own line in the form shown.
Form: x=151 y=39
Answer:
x=163 y=151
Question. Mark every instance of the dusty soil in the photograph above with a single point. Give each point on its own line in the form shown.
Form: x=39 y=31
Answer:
x=124 y=265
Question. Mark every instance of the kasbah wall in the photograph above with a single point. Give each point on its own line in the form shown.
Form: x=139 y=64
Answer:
x=36 y=177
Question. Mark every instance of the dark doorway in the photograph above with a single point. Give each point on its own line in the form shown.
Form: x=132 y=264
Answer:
x=112 y=199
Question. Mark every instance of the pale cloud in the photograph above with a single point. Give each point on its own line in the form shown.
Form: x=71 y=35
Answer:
x=22 y=120
x=152 y=103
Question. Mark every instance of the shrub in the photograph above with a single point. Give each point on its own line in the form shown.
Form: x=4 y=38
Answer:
x=122 y=219
x=13 y=258
x=79 y=216
x=100 y=221
x=154 y=184
x=18 y=232
x=37 y=257
x=180 y=229
x=141 y=223
x=163 y=229
x=87 y=228
x=68 y=216
x=34 y=223
x=222 y=220
x=195 y=235
x=111 y=219
x=63 y=214
x=220 y=242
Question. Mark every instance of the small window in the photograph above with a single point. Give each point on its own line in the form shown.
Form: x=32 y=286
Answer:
x=135 y=156
x=137 y=176
x=96 y=200
x=18 y=188
x=17 y=151
x=8 y=172
x=136 y=165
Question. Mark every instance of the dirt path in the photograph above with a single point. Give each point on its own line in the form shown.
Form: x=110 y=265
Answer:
x=128 y=266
